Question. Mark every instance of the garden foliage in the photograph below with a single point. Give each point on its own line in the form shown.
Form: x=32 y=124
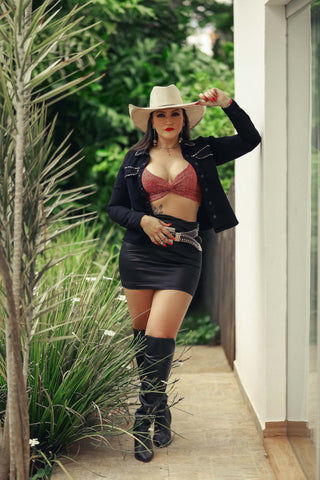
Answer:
x=81 y=379
x=144 y=44
x=64 y=348
x=42 y=342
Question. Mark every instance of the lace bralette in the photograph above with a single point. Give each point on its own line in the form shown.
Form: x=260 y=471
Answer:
x=185 y=184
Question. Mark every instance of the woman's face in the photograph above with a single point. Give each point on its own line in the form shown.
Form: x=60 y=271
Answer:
x=168 y=122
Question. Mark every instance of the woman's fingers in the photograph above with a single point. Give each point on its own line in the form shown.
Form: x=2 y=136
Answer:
x=214 y=97
x=163 y=236
x=210 y=95
x=157 y=231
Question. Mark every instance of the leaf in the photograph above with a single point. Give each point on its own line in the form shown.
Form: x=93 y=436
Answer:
x=6 y=95
x=4 y=14
x=57 y=91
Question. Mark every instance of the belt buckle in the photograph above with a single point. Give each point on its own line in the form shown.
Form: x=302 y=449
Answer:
x=177 y=235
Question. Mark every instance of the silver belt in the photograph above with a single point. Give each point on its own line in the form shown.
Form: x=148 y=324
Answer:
x=186 y=237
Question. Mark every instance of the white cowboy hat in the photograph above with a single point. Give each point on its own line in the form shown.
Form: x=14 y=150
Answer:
x=165 y=97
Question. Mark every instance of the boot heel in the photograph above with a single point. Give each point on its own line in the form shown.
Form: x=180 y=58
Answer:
x=162 y=431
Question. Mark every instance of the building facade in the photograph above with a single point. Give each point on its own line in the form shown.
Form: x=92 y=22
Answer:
x=277 y=78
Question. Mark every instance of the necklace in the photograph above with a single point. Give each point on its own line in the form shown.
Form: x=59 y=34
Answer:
x=169 y=148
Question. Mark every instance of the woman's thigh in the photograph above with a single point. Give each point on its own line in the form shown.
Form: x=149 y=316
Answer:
x=139 y=305
x=167 y=312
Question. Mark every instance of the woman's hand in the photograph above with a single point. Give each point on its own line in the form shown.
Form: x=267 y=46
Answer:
x=214 y=98
x=156 y=230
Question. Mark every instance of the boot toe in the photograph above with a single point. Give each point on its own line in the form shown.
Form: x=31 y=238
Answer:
x=142 y=441
x=162 y=440
x=144 y=455
x=143 y=451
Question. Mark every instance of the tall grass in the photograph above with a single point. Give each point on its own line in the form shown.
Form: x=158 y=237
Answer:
x=81 y=378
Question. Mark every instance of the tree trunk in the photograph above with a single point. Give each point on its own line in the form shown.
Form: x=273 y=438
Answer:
x=17 y=397
x=5 y=452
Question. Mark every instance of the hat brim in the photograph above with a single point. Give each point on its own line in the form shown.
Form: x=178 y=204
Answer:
x=140 y=116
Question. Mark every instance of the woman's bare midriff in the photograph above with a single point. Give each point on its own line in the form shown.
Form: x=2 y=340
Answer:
x=176 y=206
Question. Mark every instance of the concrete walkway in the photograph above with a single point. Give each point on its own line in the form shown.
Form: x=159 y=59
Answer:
x=216 y=438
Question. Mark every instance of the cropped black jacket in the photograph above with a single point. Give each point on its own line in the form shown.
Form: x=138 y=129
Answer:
x=129 y=201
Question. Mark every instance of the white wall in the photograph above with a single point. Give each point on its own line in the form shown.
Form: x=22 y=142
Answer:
x=261 y=237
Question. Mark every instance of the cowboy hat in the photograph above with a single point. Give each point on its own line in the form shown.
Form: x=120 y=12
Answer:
x=165 y=97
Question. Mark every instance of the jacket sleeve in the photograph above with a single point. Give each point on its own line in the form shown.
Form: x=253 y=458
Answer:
x=119 y=207
x=247 y=138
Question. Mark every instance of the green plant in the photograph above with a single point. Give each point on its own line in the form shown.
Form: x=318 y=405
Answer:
x=147 y=46
x=31 y=203
x=81 y=378
x=198 y=330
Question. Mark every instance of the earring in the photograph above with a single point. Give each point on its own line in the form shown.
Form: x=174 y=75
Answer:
x=155 y=140
x=180 y=137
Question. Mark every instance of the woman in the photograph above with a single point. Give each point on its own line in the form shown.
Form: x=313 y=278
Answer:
x=167 y=188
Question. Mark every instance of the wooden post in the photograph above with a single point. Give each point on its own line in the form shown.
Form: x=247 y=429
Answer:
x=216 y=291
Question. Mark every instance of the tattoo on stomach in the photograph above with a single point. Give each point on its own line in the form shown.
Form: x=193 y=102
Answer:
x=158 y=209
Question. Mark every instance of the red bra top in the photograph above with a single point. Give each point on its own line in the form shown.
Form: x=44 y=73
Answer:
x=185 y=184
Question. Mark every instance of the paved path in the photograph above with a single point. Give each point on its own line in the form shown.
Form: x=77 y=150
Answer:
x=216 y=437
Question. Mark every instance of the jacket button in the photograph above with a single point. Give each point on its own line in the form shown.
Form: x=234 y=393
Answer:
x=201 y=176
x=196 y=163
x=210 y=202
x=214 y=216
x=206 y=189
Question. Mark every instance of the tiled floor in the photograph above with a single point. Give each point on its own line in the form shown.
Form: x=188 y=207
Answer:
x=215 y=438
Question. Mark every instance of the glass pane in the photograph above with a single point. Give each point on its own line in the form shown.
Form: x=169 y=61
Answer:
x=314 y=373
x=306 y=443
x=314 y=217
x=313 y=399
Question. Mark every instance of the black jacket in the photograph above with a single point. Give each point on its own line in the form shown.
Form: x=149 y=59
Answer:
x=129 y=201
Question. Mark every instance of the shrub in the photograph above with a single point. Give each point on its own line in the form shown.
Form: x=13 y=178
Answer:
x=198 y=330
x=81 y=379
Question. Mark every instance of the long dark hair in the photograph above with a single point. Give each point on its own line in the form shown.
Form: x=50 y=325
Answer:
x=146 y=142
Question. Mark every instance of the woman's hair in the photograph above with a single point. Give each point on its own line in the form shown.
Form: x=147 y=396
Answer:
x=146 y=141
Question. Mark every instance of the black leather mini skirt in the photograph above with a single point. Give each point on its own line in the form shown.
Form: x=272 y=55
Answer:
x=149 y=266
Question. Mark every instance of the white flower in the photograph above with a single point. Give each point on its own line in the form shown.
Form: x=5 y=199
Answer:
x=109 y=333
x=74 y=300
x=33 y=442
x=107 y=278
x=122 y=298
x=180 y=364
x=91 y=279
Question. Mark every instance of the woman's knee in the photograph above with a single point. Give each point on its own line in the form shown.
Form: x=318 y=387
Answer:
x=167 y=313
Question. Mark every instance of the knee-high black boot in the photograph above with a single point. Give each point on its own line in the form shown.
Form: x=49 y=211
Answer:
x=140 y=345
x=162 y=425
x=162 y=420
x=156 y=370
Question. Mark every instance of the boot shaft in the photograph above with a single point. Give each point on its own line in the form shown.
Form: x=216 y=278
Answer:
x=156 y=370
x=140 y=345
